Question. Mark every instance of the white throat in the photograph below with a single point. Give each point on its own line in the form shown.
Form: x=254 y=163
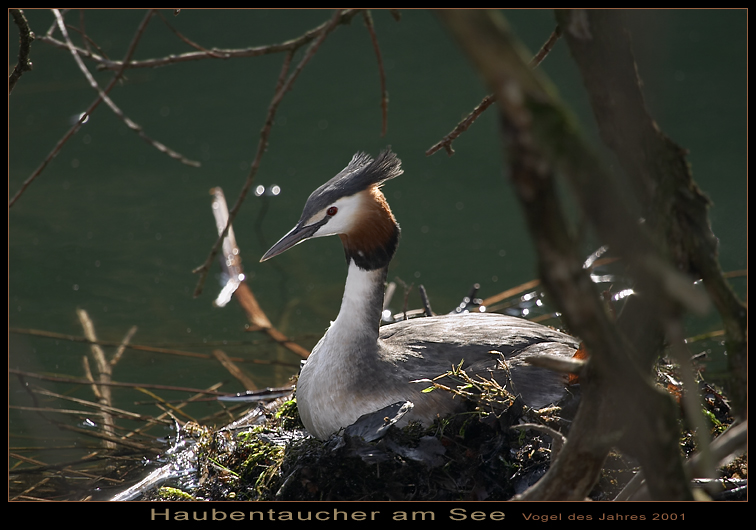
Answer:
x=361 y=305
x=326 y=385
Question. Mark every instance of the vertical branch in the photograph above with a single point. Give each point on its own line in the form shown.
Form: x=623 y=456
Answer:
x=284 y=84
x=368 y=17
x=676 y=210
x=620 y=406
x=26 y=36
x=236 y=285
x=104 y=375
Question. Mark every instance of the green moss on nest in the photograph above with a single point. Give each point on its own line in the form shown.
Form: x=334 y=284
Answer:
x=473 y=455
x=470 y=455
x=167 y=493
x=288 y=415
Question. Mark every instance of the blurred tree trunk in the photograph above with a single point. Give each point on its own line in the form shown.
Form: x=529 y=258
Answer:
x=676 y=211
x=621 y=405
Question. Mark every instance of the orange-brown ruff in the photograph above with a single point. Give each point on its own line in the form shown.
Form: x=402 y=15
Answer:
x=374 y=226
x=360 y=367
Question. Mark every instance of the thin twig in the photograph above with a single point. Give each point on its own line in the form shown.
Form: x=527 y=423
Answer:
x=78 y=381
x=558 y=439
x=236 y=286
x=62 y=466
x=692 y=405
x=163 y=404
x=82 y=29
x=139 y=347
x=26 y=36
x=510 y=292
x=234 y=370
x=24 y=494
x=53 y=27
x=193 y=44
x=462 y=126
x=262 y=145
x=104 y=371
x=107 y=438
x=85 y=115
x=368 y=17
x=99 y=406
x=171 y=419
x=546 y=48
x=82 y=33
x=90 y=377
x=345 y=16
x=104 y=375
x=122 y=347
x=426 y=302
x=118 y=112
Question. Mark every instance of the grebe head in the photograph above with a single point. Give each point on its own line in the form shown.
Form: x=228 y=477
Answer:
x=352 y=206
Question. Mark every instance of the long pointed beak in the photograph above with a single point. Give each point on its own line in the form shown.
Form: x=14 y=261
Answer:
x=296 y=235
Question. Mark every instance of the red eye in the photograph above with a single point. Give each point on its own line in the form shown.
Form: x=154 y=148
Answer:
x=332 y=211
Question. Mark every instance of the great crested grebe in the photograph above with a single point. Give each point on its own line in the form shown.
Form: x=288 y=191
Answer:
x=360 y=367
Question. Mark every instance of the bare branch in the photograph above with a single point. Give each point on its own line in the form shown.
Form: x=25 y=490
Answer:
x=79 y=381
x=546 y=48
x=462 y=126
x=619 y=405
x=103 y=63
x=236 y=285
x=118 y=112
x=102 y=96
x=384 y=94
x=123 y=345
x=26 y=36
x=142 y=347
x=104 y=375
x=674 y=206
x=284 y=84
x=189 y=42
x=234 y=370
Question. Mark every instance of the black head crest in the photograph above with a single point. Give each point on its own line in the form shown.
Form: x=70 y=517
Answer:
x=362 y=172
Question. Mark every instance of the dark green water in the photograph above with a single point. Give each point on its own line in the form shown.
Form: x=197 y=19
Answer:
x=115 y=227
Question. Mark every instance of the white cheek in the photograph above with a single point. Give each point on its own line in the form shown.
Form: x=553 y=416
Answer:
x=345 y=218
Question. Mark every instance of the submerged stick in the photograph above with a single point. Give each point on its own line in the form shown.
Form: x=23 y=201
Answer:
x=236 y=285
x=104 y=375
